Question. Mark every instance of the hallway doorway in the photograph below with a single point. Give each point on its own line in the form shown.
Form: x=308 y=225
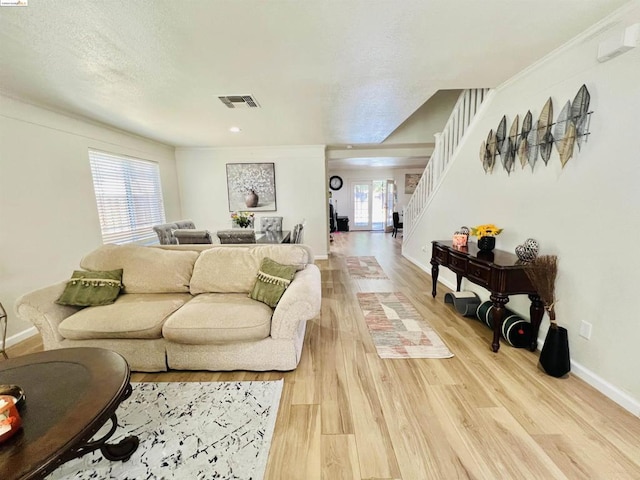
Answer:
x=370 y=204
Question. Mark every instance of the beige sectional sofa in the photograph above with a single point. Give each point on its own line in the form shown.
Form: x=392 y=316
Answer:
x=186 y=307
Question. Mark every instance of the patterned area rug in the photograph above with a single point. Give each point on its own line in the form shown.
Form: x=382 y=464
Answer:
x=364 y=267
x=189 y=430
x=397 y=329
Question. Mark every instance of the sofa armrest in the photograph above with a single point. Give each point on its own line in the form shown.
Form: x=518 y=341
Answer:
x=39 y=308
x=300 y=302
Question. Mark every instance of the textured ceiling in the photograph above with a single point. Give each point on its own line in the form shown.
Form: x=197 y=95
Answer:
x=324 y=71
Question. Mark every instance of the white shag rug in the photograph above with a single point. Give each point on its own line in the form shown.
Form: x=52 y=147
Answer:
x=208 y=430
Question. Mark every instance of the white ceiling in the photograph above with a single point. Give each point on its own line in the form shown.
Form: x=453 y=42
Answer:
x=331 y=72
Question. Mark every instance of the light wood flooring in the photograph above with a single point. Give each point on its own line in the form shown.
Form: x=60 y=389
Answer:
x=347 y=414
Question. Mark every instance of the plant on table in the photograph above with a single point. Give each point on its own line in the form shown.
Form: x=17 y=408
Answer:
x=242 y=219
x=485 y=230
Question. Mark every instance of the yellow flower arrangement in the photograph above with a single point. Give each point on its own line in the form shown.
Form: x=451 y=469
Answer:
x=242 y=219
x=486 y=230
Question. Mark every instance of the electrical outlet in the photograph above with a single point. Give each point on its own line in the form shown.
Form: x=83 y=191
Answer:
x=585 y=330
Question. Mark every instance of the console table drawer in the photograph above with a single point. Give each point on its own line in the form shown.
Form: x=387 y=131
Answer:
x=457 y=263
x=479 y=273
x=441 y=255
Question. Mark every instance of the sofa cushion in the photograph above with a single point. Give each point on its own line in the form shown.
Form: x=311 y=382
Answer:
x=91 y=288
x=229 y=269
x=145 y=269
x=219 y=319
x=133 y=315
x=272 y=280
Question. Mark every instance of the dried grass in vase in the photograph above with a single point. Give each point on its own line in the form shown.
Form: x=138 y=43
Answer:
x=542 y=273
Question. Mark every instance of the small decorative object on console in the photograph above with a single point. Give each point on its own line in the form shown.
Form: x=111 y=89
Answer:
x=10 y=421
x=528 y=251
x=461 y=237
x=486 y=234
x=14 y=391
x=459 y=240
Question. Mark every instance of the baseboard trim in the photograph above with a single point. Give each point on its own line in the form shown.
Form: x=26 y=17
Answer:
x=610 y=391
x=20 y=336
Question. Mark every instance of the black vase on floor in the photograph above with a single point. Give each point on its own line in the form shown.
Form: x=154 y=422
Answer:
x=486 y=244
x=554 y=357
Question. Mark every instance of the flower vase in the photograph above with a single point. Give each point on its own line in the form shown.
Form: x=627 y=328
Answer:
x=251 y=200
x=486 y=243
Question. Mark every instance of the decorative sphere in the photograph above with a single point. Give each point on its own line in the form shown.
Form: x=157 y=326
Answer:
x=528 y=251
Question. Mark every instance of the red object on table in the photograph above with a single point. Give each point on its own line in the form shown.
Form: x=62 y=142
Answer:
x=9 y=417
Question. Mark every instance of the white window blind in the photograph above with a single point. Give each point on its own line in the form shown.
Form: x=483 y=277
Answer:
x=129 y=197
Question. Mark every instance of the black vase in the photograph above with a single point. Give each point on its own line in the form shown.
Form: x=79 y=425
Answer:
x=554 y=357
x=486 y=244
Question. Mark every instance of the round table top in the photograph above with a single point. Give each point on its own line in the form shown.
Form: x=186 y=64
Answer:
x=69 y=395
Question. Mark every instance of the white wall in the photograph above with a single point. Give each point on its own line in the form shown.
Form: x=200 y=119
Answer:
x=48 y=211
x=300 y=187
x=428 y=120
x=586 y=213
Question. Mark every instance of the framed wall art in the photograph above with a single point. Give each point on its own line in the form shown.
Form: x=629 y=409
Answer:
x=411 y=182
x=251 y=187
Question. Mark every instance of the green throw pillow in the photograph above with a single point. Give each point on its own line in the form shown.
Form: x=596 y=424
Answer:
x=272 y=280
x=88 y=289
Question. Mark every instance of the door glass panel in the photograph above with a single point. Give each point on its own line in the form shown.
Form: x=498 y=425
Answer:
x=391 y=200
x=361 y=205
x=378 y=204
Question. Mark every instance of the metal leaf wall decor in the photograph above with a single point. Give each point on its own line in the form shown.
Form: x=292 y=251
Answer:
x=510 y=146
x=501 y=132
x=560 y=128
x=566 y=145
x=492 y=147
x=484 y=156
x=537 y=139
x=532 y=139
x=545 y=138
x=523 y=147
x=580 y=113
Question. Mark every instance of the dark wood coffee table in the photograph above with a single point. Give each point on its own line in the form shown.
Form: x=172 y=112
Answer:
x=69 y=395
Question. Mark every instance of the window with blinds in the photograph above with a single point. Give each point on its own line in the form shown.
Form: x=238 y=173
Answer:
x=129 y=197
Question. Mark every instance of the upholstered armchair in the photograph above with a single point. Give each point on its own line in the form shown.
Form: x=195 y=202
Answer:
x=271 y=224
x=237 y=235
x=182 y=224
x=191 y=236
x=165 y=231
x=297 y=234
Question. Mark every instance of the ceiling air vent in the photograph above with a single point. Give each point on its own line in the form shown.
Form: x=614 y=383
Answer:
x=239 y=101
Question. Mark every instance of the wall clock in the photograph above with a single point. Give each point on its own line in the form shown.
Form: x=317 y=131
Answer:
x=335 y=182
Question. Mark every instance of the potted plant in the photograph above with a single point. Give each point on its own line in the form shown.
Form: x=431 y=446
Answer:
x=242 y=219
x=486 y=234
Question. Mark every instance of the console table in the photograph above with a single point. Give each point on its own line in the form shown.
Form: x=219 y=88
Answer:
x=498 y=271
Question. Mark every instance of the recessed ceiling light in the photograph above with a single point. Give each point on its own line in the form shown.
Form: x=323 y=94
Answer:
x=235 y=129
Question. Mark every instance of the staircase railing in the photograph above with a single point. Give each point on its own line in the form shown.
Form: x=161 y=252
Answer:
x=447 y=143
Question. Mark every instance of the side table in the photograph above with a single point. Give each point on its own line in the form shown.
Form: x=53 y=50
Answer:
x=69 y=395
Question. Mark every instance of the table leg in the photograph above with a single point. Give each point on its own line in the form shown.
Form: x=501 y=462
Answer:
x=434 y=276
x=121 y=451
x=458 y=282
x=536 y=311
x=499 y=301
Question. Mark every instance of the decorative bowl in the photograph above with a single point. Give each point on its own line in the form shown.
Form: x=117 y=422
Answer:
x=14 y=391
